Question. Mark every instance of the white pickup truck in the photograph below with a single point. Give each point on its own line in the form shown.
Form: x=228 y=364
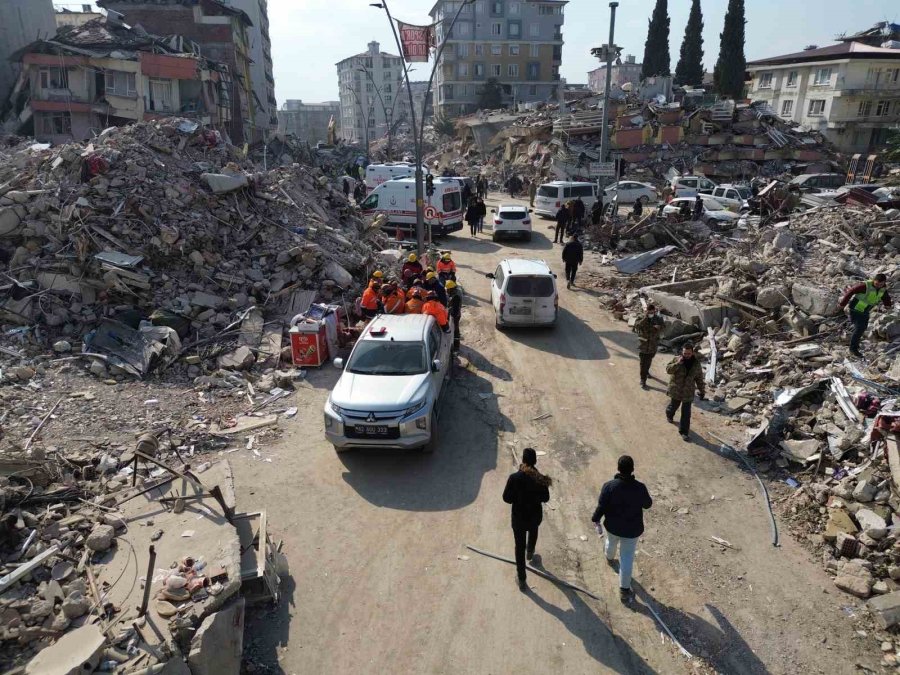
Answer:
x=388 y=394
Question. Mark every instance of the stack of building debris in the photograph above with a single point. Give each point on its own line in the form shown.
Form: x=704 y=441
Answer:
x=156 y=239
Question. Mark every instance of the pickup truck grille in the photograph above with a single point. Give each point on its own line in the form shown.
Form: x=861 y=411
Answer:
x=363 y=415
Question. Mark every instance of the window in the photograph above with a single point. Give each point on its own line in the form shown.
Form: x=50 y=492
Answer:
x=462 y=50
x=765 y=81
x=161 y=95
x=532 y=90
x=54 y=78
x=387 y=100
x=479 y=50
x=448 y=91
x=462 y=69
x=823 y=76
x=865 y=109
x=512 y=70
x=452 y=201
x=873 y=75
x=479 y=7
x=883 y=109
x=792 y=79
x=535 y=51
x=385 y=63
x=894 y=75
x=463 y=28
x=496 y=28
x=495 y=70
x=549 y=10
x=371 y=122
x=514 y=7
x=387 y=75
x=369 y=87
x=588 y=190
x=534 y=29
x=479 y=71
x=387 y=86
x=514 y=29
x=529 y=287
x=497 y=8
x=55 y=123
x=119 y=83
x=816 y=108
x=514 y=50
x=787 y=107
x=534 y=71
x=496 y=50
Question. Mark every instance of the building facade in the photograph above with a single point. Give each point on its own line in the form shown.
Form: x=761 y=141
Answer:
x=21 y=22
x=261 y=70
x=309 y=121
x=372 y=93
x=101 y=74
x=69 y=17
x=419 y=89
x=850 y=92
x=220 y=32
x=518 y=43
x=621 y=73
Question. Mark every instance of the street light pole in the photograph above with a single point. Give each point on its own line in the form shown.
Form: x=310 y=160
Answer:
x=365 y=119
x=604 y=138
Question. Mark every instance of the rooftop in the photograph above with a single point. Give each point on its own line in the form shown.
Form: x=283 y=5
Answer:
x=838 y=52
x=523 y=266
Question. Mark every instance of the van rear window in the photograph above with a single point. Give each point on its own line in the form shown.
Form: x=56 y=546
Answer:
x=529 y=287
x=452 y=201
x=548 y=191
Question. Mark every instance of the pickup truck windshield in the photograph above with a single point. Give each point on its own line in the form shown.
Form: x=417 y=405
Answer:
x=373 y=357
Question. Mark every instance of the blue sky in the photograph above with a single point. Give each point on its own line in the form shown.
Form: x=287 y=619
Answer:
x=310 y=36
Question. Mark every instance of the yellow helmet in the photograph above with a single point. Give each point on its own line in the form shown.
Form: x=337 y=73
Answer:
x=429 y=276
x=377 y=274
x=450 y=284
x=445 y=256
x=412 y=257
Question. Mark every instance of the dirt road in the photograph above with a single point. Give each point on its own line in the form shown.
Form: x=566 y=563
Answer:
x=381 y=580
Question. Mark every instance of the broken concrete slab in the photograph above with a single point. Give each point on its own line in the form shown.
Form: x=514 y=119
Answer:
x=799 y=450
x=76 y=652
x=815 y=299
x=886 y=609
x=854 y=585
x=671 y=298
x=220 y=183
x=871 y=523
x=201 y=299
x=838 y=521
x=219 y=642
x=241 y=358
x=338 y=274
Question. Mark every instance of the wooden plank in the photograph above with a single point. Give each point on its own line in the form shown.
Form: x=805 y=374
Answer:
x=710 y=376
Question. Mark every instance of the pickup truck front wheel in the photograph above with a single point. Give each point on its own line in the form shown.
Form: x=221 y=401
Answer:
x=433 y=441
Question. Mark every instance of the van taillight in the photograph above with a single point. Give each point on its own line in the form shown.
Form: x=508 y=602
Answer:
x=557 y=204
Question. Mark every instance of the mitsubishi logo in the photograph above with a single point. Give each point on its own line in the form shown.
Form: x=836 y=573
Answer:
x=371 y=417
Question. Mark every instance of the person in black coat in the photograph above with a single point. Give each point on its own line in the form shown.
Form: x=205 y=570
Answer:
x=621 y=508
x=472 y=217
x=562 y=220
x=526 y=490
x=579 y=210
x=573 y=256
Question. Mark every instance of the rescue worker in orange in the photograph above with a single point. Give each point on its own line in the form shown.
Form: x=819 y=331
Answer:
x=414 y=286
x=414 y=304
x=377 y=277
x=393 y=299
x=446 y=268
x=370 y=304
x=435 y=308
x=412 y=268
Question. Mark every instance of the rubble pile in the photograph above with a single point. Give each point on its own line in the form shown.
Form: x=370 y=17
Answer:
x=160 y=235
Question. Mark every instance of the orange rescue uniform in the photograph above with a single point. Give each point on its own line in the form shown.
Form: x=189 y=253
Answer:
x=369 y=299
x=414 y=306
x=446 y=267
x=395 y=303
x=438 y=311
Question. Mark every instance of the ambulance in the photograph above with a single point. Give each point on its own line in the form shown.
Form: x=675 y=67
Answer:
x=397 y=200
x=376 y=174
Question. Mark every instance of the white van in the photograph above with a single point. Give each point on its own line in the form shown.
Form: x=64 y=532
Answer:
x=376 y=174
x=524 y=293
x=689 y=186
x=397 y=199
x=550 y=196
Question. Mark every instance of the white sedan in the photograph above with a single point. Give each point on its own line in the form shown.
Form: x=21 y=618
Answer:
x=713 y=212
x=631 y=191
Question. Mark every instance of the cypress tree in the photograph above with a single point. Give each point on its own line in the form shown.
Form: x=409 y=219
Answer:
x=690 y=64
x=731 y=66
x=656 y=49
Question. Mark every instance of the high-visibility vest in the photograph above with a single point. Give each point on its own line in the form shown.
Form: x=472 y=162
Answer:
x=414 y=306
x=369 y=299
x=448 y=266
x=410 y=292
x=395 y=303
x=871 y=297
x=437 y=310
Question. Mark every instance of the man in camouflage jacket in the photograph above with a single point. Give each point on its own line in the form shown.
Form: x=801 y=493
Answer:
x=685 y=376
x=648 y=328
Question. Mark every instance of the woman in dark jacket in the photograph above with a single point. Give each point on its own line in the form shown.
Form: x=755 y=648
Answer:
x=472 y=215
x=621 y=507
x=526 y=490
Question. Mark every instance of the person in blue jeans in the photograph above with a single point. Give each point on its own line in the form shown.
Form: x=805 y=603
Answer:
x=621 y=508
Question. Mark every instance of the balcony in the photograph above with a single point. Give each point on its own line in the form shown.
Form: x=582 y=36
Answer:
x=879 y=92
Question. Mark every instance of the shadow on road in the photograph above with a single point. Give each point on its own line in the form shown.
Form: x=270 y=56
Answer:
x=267 y=631
x=604 y=646
x=326 y=376
x=451 y=477
x=722 y=644
x=571 y=338
x=469 y=244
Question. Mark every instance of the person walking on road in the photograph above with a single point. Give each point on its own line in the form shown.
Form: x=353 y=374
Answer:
x=648 y=328
x=578 y=210
x=861 y=299
x=472 y=218
x=532 y=193
x=621 y=508
x=562 y=222
x=573 y=256
x=685 y=375
x=482 y=213
x=697 y=213
x=526 y=490
x=454 y=308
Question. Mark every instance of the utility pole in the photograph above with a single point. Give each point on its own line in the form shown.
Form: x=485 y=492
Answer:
x=609 y=48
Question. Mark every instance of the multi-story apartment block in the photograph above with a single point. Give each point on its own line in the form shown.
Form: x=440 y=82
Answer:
x=850 y=91
x=261 y=70
x=516 y=42
x=419 y=89
x=220 y=31
x=21 y=22
x=372 y=92
x=309 y=121
x=621 y=73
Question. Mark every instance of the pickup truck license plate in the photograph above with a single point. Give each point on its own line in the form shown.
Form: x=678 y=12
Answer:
x=520 y=310
x=367 y=430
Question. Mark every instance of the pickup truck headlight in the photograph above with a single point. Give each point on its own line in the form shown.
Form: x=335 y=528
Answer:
x=415 y=408
x=336 y=409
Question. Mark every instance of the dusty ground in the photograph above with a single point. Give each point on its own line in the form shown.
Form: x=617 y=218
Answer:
x=381 y=579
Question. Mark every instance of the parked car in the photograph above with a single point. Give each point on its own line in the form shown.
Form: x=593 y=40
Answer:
x=511 y=220
x=732 y=197
x=817 y=182
x=714 y=214
x=550 y=196
x=689 y=186
x=630 y=192
x=388 y=394
x=524 y=293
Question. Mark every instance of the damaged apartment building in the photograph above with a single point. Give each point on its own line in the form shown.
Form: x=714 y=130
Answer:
x=105 y=73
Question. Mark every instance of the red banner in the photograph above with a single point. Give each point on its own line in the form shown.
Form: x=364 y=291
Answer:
x=417 y=41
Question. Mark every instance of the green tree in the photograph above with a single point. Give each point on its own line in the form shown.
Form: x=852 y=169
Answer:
x=491 y=96
x=656 y=49
x=690 y=63
x=444 y=126
x=731 y=66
